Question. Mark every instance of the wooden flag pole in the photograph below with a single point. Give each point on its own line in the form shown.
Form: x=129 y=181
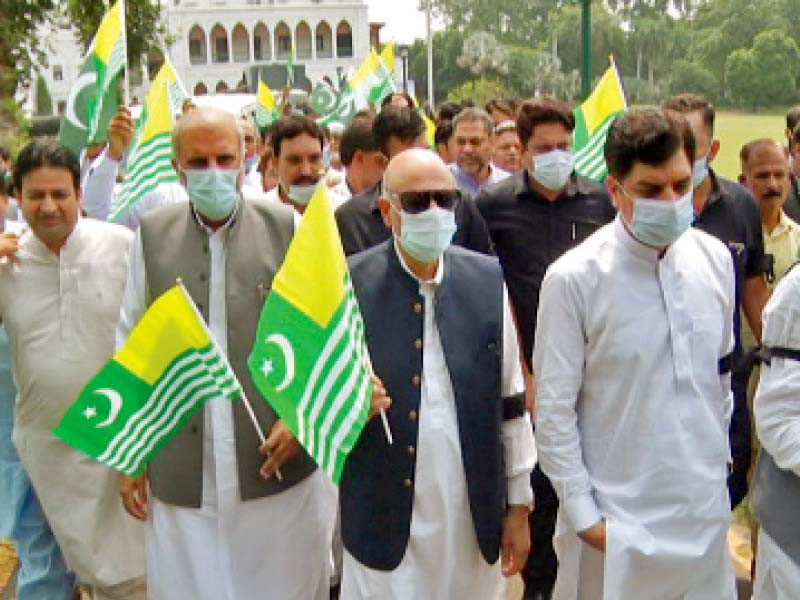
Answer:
x=384 y=419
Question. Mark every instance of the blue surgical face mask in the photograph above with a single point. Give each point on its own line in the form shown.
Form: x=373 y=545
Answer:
x=213 y=192
x=659 y=223
x=426 y=235
x=552 y=169
x=300 y=194
x=699 y=171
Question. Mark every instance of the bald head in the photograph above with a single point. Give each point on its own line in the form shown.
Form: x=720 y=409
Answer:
x=758 y=148
x=417 y=169
x=205 y=118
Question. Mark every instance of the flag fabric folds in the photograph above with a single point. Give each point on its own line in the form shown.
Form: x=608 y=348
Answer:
x=592 y=120
x=310 y=356
x=150 y=156
x=167 y=369
x=94 y=97
x=266 y=108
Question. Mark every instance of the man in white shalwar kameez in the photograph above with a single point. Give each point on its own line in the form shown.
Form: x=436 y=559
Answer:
x=60 y=294
x=427 y=517
x=230 y=530
x=633 y=403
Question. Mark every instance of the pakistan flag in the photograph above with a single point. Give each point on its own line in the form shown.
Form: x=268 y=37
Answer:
x=94 y=96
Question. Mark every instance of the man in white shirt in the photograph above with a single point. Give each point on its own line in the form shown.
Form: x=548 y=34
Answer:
x=60 y=294
x=429 y=516
x=633 y=337
x=220 y=523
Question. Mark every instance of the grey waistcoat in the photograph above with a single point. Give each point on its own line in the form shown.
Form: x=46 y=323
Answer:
x=176 y=246
x=775 y=500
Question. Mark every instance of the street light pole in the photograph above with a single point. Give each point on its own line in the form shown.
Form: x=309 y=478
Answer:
x=586 y=65
x=431 y=100
x=404 y=58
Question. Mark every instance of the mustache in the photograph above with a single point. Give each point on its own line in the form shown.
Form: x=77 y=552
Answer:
x=772 y=194
x=305 y=180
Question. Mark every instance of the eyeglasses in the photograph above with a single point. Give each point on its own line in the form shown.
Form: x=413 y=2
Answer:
x=420 y=201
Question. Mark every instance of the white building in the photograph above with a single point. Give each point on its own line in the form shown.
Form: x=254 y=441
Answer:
x=218 y=42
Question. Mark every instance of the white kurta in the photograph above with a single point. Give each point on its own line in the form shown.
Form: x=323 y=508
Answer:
x=60 y=313
x=632 y=415
x=272 y=548
x=442 y=560
x=777 y=420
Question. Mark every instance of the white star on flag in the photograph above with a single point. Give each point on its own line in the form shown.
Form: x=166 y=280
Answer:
x=90 y=412
x=267 y=368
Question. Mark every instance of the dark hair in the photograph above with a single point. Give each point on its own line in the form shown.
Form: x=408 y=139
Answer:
x=793 y=118
x=388 y=99
x=46 y=152
x=541 y=110
x=4 y=153
x=448 y=111
x=649 y=135
x=500 y=105
x=444 y=131
x=403 y=123
x=796 y=134
x=473 y=114
x=750 y=147
x=357 y=136
x=288 y=128
x=689 y=103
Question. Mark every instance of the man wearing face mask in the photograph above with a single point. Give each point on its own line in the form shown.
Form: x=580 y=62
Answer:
x=533 y=218
x=728 y=211
x=429 y=516
x=359 y=219
x=220 y=523
x=252 y=178
x=633 y=345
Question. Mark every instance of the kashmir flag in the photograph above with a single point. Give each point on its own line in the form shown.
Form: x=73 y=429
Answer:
x=166 y=370
x=592 y=120
x=430 y=126
x=94 y=97
x=310 y=356
x=150 y=156
x=266 y=108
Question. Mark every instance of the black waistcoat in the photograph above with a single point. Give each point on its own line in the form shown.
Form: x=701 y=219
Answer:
x=377 y=486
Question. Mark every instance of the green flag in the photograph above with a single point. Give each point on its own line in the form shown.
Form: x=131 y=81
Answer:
x=310 y=356
x=94 y=97
x=167 y=369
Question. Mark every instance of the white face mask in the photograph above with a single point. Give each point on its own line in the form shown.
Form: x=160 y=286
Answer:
x=213 y=192
x=659 y=223
x=553 y=169
x=426 y=235
x=300 y=194
x=699 y=171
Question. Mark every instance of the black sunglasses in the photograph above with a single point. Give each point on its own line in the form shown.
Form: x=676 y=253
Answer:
x=417 y=202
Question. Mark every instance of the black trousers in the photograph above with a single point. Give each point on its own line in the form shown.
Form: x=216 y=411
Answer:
x=539 y=573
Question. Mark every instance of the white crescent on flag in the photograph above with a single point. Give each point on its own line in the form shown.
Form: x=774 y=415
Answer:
x=115 y=403
x=84 y=81
x=288 y=358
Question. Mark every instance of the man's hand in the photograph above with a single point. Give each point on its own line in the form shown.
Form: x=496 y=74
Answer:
x=120 y=133
x=595 y=536
x=134 y=495
x=516 y=540
x=9 y=244
x=279 y=449
x=380 y=399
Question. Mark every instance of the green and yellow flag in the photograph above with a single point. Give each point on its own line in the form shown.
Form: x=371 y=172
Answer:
x=266 y=108
x=150 y=154
x=94 y=97
x=309 y=359
x=166 y=370
x=592 y=120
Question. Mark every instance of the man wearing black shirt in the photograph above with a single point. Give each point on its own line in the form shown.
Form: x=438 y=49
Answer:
x=792 y=205
x=359 y=219
x=726 y=210
x=533 y=217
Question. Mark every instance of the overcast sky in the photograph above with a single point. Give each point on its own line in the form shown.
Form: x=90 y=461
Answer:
x=403 y=21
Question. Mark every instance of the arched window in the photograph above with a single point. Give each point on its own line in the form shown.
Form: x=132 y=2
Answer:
x=302 y=37
x=222 y=87
x=200 y=89
x=262 y=48
x=219 y=45
x=324 y=41
x=283 y=39
x=344 y=40
x=198 y=51
x=241 y=44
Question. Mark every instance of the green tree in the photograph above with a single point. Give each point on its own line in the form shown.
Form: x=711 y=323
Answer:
x=691 y=77
x=447 y=74
x=766 y=74
x=18 y=48
x=523 y=22
x=44 y=102
x=479 y=91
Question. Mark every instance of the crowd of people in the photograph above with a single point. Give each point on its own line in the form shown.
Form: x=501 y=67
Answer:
x=563 y=363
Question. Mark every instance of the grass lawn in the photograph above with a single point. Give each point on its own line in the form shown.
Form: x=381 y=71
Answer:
x=734 y=129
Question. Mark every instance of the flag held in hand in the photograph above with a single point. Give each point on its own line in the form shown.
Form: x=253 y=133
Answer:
x=167 y=369
x=310 y=356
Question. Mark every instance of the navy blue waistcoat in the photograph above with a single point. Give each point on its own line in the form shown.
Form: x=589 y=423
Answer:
x=377 y=485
